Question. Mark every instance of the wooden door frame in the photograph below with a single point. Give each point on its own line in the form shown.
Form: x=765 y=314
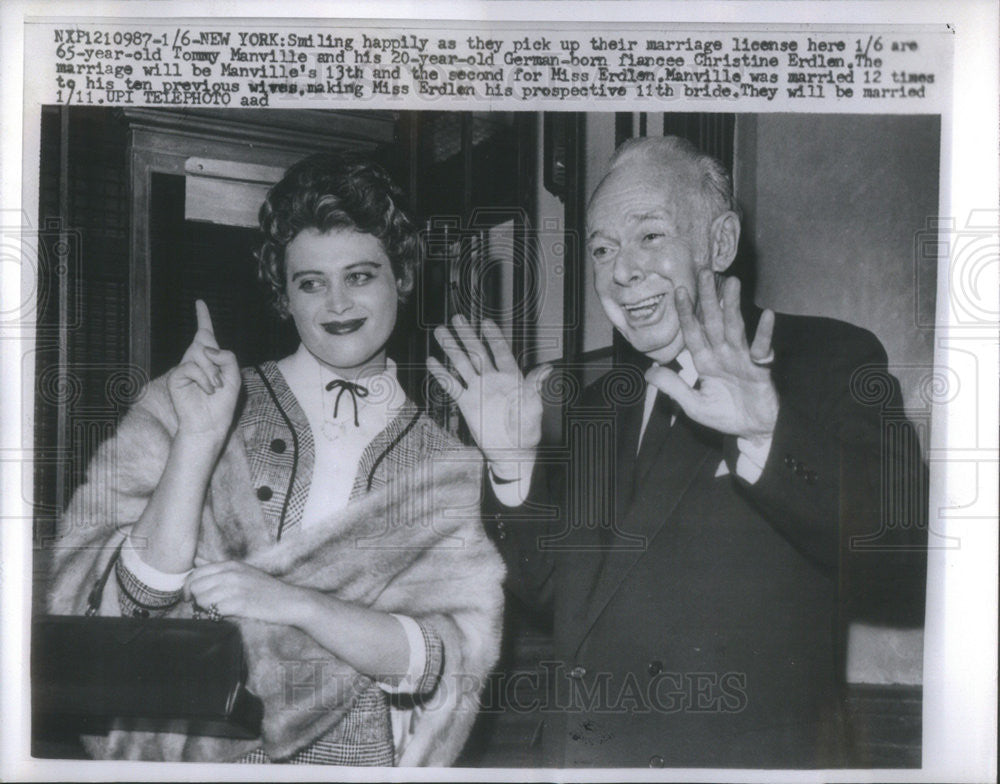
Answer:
x=160 y=141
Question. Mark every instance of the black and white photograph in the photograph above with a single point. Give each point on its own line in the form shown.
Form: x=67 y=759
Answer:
x=535 y=437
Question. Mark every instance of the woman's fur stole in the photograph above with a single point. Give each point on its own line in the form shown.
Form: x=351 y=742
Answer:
x=414 y=546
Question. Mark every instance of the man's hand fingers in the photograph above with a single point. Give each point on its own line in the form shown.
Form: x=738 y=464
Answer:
x=671 y=384
x=733 y=318
x=694 y=337
x=452 y=348
x=760 y=350
x=502 y=356
x=206 y=332
x=711 y=313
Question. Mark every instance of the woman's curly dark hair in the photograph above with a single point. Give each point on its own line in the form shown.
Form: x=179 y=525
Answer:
x=330 y=191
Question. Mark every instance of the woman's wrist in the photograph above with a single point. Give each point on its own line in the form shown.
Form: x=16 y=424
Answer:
x=371 y=641
x=170 y=524
x=307 y=609
x=197 y=450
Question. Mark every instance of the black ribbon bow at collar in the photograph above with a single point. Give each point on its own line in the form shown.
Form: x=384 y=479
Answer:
x=356 y=391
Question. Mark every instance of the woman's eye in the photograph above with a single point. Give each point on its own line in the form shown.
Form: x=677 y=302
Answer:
x=310 y=285
x=652 y=236
x=359 y=278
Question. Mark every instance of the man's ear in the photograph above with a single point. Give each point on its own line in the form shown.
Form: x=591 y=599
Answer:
x=724 y=238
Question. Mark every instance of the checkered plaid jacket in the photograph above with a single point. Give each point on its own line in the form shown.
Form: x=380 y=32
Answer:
x=279 y=445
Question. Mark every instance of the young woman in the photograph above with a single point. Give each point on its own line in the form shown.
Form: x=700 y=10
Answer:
x=307 y=499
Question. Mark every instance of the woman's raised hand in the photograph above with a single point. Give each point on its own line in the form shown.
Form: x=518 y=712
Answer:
x=502 y=408
x=205 y=385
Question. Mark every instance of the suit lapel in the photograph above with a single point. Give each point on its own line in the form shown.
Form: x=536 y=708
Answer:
x=589 y=545
x=674 y=465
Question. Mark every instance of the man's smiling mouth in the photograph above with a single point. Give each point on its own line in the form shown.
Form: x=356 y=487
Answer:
x=644 y=308
x=343 y=327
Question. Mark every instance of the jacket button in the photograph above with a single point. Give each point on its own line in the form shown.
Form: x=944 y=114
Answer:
x=278 y=445
x=655 y=667
x=790 y=462
x=811 y=477
x=502 y=535
x=264 y=493
x=577 y=672
x=656 y=761
x=800 y=471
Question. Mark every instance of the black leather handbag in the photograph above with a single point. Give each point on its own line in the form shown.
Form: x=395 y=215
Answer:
x=92 y=673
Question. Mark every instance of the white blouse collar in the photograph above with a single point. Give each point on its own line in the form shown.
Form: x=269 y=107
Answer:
x=303 y=371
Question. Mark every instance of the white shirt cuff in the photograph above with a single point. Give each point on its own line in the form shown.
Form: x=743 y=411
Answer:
x=418 y=658
x=752 y=458
x=515 y=492
x=146 y=574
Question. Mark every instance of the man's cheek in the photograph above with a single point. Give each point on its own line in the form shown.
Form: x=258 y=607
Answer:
x=614 y=312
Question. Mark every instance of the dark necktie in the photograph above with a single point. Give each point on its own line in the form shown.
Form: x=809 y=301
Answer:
x=657 y=431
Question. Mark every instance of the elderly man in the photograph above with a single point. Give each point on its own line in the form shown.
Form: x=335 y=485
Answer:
x=686 y=540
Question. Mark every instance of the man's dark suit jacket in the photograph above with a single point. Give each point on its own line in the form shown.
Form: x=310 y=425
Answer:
x=695 y=616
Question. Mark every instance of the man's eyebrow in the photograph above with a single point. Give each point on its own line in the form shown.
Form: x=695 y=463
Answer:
x=597 y=233
x=633 y=218
x=654 y=215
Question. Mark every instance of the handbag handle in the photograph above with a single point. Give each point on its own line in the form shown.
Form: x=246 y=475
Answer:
x=97 y=592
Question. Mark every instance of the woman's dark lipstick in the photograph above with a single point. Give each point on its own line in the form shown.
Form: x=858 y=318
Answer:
x=343 y=327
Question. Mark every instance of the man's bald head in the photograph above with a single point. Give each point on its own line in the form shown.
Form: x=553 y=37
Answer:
x=684 y=165
x=679 y=155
